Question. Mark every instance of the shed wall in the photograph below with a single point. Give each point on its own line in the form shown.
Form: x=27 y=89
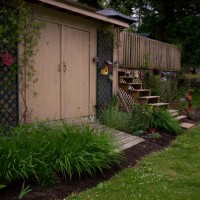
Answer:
x=66 y=72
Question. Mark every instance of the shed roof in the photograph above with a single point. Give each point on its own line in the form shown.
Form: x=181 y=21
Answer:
x=85 y=11
x=117 y=15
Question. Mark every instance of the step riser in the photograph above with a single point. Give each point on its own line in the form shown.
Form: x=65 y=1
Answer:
x=121 y=73
x=137 y=94
x=148 y=101
x=125 y=87
x=163 y=106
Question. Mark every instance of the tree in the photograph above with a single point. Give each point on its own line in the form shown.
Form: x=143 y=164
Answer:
x=172 y=21
x=93 y=3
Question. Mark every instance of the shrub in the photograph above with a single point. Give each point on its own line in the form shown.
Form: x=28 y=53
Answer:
x=162 y=120
x=145 y=117
x=115 y=119
x=141 y=117
x=166 y=89
x=42 y=152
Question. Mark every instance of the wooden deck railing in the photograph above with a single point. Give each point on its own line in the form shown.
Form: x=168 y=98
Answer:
x=140 y=52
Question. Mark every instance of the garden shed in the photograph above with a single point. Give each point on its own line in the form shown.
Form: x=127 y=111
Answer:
x=73 y=47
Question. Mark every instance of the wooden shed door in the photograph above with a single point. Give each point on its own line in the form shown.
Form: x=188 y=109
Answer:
x=75 y=73
x=46 y=104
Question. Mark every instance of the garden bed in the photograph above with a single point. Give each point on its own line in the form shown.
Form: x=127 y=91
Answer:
x=63 y=189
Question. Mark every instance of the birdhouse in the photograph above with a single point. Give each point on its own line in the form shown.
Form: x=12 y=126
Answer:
x=104 y=71
x=107 y=68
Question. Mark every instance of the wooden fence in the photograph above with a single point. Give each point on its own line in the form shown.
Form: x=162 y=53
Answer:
x=140 y=52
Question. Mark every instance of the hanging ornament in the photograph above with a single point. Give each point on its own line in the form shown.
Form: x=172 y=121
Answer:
x=7 y=58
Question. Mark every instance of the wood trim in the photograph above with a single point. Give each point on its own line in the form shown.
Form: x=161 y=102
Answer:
x=86 y=13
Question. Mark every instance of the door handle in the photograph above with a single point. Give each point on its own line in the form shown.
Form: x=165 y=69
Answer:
x=64 y=67
x=59 y=67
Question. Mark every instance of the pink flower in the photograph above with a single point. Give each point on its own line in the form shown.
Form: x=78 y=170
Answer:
x=8 y=60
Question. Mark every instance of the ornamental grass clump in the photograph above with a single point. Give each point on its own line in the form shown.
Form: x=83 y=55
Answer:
x=163 y=121
x=43 y=153
x=115 y=119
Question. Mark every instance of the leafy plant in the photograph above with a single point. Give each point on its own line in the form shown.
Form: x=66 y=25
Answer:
x=162 y=120
x=155 y=136
x=24 y=191
x=115 y=119
x=2 y=186
x=166 y=89
x=42 y=152
x=141 y=118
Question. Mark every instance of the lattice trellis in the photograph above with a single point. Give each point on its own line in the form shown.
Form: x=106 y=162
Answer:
x=126 y=97
x=8 y=77
x=104 y=83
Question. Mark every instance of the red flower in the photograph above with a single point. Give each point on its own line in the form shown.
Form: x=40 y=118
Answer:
x=8 y=60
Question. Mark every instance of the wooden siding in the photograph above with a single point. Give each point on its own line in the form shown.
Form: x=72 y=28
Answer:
x=76 y=80
x=140 y=52
x=71 y=41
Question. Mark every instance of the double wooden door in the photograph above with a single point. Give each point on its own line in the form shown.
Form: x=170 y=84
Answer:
x=62 y=69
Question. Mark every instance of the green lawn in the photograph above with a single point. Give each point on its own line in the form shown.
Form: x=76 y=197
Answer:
x=173 y=174
x=196 y=98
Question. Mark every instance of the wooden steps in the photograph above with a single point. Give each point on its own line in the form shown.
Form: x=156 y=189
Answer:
x=133 y=85
x=148 y=100
x=135 y=90
x=128 y=79
x=139 y=93
x=144 y=97
x=160 y=104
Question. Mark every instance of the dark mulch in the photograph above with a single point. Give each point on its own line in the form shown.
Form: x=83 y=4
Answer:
x=62 y=189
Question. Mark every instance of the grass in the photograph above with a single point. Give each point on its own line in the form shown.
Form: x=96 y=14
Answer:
x=196 y=98
x=170 y=174
x=43 y=153
x=191 y=76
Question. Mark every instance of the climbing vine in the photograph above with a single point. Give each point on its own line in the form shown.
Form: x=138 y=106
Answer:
x=18 y=29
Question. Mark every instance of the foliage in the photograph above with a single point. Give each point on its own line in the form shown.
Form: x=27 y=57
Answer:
x=2 y=186
x=196 y=98
x=169 y=22
x=42 y=152
x=171 y=174
x=141 y=118
x=18 y=27
x=155 y=136
x=24 y=191
x=115 y=119
x=162 y=120
x=92 y=3
x=166 y=89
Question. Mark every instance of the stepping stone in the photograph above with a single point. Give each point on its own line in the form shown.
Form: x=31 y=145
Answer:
x=187 y=125
x=180 y=117
x=173 y=113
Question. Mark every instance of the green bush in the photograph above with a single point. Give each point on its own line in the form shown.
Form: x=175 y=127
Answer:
x=42 y=152
x=141 y=117
x=165 y=89
x=115 y=119
x=162 y=120
x=145 y=117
